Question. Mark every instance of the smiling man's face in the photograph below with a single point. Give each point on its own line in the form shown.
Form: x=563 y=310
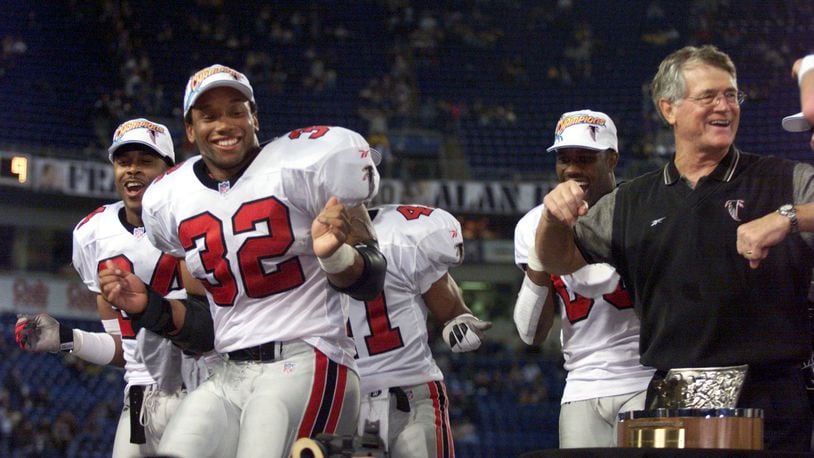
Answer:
x=704 y=128
x=133 y=171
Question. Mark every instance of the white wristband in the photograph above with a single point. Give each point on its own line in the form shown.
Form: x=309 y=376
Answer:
x=806 y=65
x=533 y=260
x=112 y=327
x=94 y=347
x=340 y=260
x=528 y=309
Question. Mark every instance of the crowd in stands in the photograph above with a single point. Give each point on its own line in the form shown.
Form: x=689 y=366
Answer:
x=464 y=70
x=13 y=47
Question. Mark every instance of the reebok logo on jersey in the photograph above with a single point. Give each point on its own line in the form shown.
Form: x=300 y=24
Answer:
x=732 y=206
x=657 y=221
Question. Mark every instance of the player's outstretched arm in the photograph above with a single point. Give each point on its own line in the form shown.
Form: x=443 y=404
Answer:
x=110 y=321
x=462 y=330
x=43 y=333
x=345 y=244
x=37 y=333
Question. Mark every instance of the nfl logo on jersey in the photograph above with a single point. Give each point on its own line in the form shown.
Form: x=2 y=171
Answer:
x=288 y=368
x=224 y=186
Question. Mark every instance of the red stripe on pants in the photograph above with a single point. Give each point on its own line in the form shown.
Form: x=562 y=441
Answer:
x=309 y=418
x=443 y=436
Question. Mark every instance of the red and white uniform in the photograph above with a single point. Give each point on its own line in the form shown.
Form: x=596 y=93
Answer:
x=420 y=245
x=249 y=241
x=101 y=236
x=600 y=330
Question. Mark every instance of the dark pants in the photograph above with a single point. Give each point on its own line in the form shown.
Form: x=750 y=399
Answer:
x=780 y=391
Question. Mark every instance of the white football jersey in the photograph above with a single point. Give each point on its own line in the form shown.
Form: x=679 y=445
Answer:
x=420 y=244
x=600 y=330
x=249 y=239
x=103 y=235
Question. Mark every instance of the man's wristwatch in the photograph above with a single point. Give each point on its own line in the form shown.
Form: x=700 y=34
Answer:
x=790 y=212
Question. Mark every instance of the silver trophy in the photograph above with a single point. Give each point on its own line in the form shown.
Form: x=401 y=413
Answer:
x=700 y=388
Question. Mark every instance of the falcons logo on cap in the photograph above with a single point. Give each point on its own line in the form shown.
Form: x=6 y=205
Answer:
x=592 y=131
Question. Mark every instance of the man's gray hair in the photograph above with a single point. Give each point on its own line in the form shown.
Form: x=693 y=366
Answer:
x=669 y=81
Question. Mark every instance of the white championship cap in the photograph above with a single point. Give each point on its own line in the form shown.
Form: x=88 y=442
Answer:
x=796 y=123
x=587 y=129
x=144 y=132
x=215 y=76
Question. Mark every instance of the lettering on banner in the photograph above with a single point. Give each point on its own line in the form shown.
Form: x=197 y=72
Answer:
x=31 y=294
x=496 y=198
x=474 y=197
x=479 y=197
x=90 y=179
x=449 y=195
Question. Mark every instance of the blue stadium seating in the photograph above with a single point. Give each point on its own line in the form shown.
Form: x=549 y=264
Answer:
x=70 y=63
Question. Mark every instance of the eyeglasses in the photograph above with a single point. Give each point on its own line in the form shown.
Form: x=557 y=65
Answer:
x=711 y=98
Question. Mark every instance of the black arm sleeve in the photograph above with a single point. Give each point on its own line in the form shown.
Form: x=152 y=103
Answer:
x=371 y=282
x=197 y=335
x=156 y=317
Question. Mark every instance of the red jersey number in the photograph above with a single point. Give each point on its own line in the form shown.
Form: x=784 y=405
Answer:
x=258 y=280
x=411 y=212
x=213 y=256
x=577 y=307
x=313 y=131
x=288 y=274
x=383 y=337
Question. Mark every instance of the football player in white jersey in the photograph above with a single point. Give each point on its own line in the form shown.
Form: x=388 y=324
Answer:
x=600 y=331
x=274 y=233
x=402 y=387
x=141 y=150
